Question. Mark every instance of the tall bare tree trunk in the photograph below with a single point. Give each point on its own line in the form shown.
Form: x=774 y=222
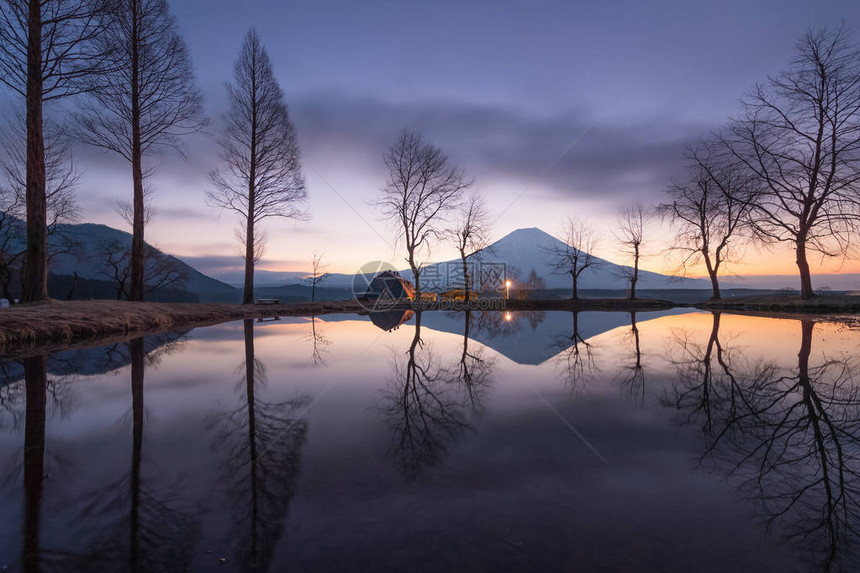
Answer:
x=466 y=284
x=416 y=274
x=806 y=291
x=137 y=254
x=713 y=273
x=635 y=278
x=252 y=179
x=575 y=291
x=36 y=258
x=248 y=297
x=715 y=285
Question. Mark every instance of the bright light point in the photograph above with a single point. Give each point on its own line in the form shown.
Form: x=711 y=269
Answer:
x=508 y=284
x=508 y=316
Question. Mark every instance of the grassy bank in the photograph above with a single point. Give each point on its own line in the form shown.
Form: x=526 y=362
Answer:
x=823 y=304
x=49 y=326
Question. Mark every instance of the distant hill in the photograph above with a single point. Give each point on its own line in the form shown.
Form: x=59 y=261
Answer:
x=90 y=235
x=85 y=260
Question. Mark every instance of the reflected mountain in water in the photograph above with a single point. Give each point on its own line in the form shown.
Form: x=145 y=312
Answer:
x=95 y=360
x=527 y=337
x=61 y=368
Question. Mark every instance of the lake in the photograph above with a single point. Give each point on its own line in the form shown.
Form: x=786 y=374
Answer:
x=597 y=441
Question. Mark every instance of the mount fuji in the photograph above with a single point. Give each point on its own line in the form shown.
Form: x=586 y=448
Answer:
x=529 y=249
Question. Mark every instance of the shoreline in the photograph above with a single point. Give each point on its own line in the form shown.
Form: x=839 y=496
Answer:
x=42 y=328
x=792 y=304
x=29 y=329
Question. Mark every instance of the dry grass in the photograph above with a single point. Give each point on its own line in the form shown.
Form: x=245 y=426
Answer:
x=29 y=328
x=823 y=304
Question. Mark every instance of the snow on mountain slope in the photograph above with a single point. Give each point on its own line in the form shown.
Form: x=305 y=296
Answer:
x=527 y=249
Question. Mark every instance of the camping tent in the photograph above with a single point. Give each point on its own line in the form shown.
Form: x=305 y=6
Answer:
x=389 y=286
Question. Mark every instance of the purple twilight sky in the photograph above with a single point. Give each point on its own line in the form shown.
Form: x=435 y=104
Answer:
x=555 y=108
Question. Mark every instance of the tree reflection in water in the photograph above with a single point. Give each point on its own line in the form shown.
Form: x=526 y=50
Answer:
x=32 y=396
x=261 y=442
x=632 y=374
x=36 y=379
x=575 y=360
x=147 y=525
x=422 y=407
x=790 y=438
x=319 y=343
x=473 y=371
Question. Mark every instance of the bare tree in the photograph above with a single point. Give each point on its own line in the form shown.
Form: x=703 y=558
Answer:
x=46 y=49
x=11 y=237
x=163 y=272
x=472 y=234
x=61 y=177
x=261 y=173
x=708 y=213
x=147 y=100
x=423 y=187
x=533 y=283
x=318 y=274
x=115 y=265
x=799 y=136
x=630 y=233
x=575 y=255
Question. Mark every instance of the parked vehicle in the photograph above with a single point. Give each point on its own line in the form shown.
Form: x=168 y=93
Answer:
x=458 y=294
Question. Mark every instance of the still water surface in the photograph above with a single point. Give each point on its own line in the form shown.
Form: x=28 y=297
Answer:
x=536 y=441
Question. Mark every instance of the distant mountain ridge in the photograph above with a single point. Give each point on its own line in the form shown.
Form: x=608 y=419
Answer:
x=85 y=261
x=526 y=249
